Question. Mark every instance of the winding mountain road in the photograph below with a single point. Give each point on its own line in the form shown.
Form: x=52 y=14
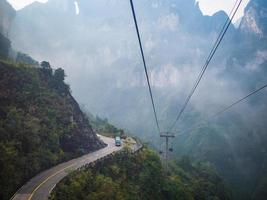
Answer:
x=40 y=186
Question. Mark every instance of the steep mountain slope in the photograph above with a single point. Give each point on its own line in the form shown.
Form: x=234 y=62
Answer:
x=254 y=20
x=235 y=146
x=41 y=124
x=7 y=14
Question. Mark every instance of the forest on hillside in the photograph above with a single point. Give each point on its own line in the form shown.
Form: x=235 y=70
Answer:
x=141 y=177
x=41 y=124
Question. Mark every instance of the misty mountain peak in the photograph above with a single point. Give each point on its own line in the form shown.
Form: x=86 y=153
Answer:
x=254 y=20
x=7 y=13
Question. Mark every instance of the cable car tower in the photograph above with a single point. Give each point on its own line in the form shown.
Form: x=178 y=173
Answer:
x=167 y=135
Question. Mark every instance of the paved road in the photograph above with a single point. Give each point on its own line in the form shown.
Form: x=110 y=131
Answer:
x=40 y=186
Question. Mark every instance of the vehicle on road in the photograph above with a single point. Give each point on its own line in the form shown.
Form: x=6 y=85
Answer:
x=118 y=141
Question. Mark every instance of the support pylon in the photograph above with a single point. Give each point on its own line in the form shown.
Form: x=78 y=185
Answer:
x=166 y=135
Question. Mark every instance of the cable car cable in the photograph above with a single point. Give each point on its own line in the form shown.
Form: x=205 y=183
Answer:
x=211 y=55
x=145 y=66
x=226 y=109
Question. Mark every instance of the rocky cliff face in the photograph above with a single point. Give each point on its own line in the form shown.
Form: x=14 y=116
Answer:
x=254 y=20
x=7 y=14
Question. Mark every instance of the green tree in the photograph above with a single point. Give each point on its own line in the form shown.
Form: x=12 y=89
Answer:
x=46 y=68
x=59 y=75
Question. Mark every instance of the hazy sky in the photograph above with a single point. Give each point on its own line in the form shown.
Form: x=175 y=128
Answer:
x=207 y=6
x=18 y=4
x=211 y=6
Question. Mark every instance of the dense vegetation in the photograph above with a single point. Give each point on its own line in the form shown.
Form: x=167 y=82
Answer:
x=40 y=123
x=141 y=177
